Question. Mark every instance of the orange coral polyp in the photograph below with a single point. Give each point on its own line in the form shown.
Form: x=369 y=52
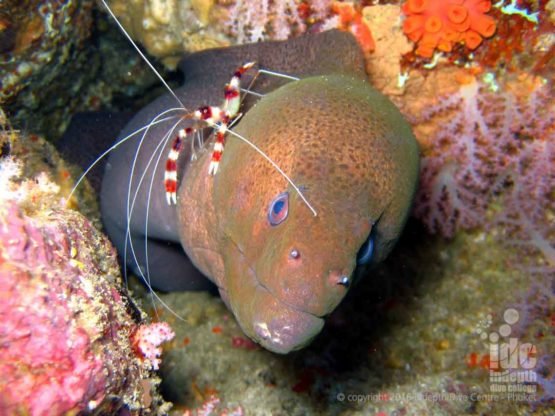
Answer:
x=483 y=6
x=445 y=45
x=428 y=42
x=439 y=24
x=433 y=24
x=472 y=39
x=461 y=27
x=424 y=50
x=451 y=35
x=457 y=13
x=412 y=25
x=484 y=25
x=418 y=6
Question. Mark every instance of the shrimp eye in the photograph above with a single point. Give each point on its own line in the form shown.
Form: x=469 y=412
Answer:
x=366 y=251
x=278 y=209
x=206 y=112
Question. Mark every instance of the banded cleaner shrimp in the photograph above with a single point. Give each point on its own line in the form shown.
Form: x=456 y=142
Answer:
x=180 y=124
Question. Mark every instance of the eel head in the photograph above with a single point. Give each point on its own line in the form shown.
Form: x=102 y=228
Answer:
x=354 y=159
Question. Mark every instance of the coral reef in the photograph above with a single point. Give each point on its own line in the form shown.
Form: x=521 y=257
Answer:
x=351 y=19
x=169 y=28
x=59 y=57
x=493 y=147
x=522 y=40
x=527 y=210
x=255 y=21
x=438 y=24
x=405 y=342
x=465 y=162
x=384 y=63
x=34 y=154
x=34 y=37
x=38 y=44
x=147 y=340
x=65 y=324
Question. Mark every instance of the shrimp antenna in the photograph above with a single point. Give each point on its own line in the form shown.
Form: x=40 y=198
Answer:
x=276 y=167
x=106 y=152
x=142 y=55
x=259 y=150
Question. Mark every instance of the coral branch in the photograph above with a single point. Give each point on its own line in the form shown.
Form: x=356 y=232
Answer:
x=147 y=341
x=493 y=147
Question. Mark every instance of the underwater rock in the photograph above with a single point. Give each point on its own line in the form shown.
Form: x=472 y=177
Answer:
x=34 y=37
x=59 y=57
x=169 y=28
x=66 y=326
x=39 y=46
x=384 y=64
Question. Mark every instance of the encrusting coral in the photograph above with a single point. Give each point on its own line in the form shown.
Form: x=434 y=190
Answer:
x=351 y=19
x=439 y=24
x=66 y=327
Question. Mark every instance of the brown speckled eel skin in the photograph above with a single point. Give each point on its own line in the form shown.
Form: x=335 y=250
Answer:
x=279 y=268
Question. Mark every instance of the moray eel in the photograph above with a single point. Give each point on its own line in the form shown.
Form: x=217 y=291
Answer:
x=279 y=268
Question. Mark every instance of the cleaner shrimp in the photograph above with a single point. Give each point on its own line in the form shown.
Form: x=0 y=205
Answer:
x=219 y=118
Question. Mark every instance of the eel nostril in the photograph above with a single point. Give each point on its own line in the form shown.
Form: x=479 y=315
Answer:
x=344 y=281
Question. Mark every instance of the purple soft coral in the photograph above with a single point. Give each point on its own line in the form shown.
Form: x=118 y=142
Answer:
x=458 y=177
x=529 y=206
x=534 y=324
x=493 y=144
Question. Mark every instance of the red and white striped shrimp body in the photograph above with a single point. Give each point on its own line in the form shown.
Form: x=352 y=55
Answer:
x=217 y=117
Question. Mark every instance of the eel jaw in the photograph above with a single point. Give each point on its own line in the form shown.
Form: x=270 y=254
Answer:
x=285 y=329
x=274 y=324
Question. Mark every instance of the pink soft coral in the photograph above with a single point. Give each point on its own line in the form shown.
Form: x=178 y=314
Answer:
x=461 y=171
x=147 y=341
x=493 y=147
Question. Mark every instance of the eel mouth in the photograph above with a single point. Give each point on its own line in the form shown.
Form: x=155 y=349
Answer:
x=285 y=328
x=267 y=319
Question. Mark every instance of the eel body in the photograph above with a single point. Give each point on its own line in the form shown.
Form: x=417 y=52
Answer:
x=279 y=268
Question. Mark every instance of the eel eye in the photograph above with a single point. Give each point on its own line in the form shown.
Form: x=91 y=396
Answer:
x=278 y=209
x=366 y=252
